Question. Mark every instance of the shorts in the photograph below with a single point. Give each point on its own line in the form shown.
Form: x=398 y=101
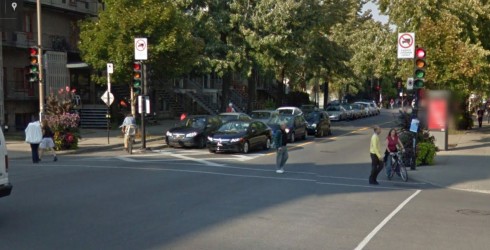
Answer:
x=46 y=143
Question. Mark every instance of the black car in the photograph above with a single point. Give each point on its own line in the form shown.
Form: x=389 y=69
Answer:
x=296 y=126
x=318 y=123
x=240 y=136
x=192 y=131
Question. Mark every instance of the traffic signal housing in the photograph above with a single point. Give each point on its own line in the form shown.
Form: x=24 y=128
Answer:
x=33 y=68
x=137 y=78
x=419 y=71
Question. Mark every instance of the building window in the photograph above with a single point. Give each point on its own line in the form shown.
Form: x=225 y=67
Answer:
x=20 y=82
x=63 y=1
x=86 y=5
x=73 y=3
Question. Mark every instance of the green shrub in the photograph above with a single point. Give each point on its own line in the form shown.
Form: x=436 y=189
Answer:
x=426 y=152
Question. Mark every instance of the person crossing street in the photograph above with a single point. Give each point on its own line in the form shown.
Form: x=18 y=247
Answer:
x=376 y=158
x=280 y=141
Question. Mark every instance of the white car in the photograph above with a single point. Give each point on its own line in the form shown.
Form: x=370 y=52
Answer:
x=289 y=111
x=5 y=186
x=372 y=109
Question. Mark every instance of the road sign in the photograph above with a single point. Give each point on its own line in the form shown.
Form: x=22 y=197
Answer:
x=410 y=83
x=406 y=45
x=110 y=68
x=104 y=98
x=140 y=49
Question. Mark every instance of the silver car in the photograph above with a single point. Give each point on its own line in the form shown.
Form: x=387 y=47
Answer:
x=264 y=115
x=336 y=113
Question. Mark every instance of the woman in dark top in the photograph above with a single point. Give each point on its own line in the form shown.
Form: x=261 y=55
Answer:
x=47 y=143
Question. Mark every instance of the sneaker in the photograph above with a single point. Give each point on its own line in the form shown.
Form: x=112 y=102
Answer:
x=55 y=158
x=280 y=171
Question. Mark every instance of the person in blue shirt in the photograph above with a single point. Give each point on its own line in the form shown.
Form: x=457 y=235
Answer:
x=128 y=121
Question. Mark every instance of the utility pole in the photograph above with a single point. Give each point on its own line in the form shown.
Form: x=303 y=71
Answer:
x=40 y=49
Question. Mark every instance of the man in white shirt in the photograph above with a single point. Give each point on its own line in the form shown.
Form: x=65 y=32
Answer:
x=34 y=136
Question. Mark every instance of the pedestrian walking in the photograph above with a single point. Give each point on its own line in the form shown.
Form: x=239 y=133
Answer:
x=392 y=102
x=47 y=143
x=34 y=136
x=128 y=122
x=280 y=141
x=480 y=113
x=230 y=108
x=376 y=158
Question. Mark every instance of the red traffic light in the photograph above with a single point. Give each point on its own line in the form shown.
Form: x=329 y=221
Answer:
x=137 y=66
x=420 y=53
x=33 y=52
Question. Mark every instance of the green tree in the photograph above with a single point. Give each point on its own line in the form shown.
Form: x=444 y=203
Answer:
x=172 y=49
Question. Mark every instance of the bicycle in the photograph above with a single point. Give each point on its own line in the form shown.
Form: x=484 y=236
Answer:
x=397 y=163
x=129 y=135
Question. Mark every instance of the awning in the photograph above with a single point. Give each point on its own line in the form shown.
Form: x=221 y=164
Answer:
x=78 y=65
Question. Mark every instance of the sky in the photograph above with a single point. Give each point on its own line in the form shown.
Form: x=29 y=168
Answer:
x=374 y=9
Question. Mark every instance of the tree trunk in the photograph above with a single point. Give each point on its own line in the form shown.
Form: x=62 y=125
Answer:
x=252 y=90
x=280 y=88
x=225 y=91
x=325 y=93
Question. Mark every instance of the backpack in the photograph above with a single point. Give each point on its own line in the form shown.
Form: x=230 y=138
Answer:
x=130 y=130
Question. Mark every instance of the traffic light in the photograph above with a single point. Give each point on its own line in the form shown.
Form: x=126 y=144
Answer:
x=137 y=78
x=33 y=68
x=419 y=72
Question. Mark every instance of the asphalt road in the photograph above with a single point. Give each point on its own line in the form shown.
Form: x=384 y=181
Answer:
x=192 y=199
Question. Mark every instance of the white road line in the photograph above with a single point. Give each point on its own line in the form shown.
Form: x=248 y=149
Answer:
x=368 y=238
x=207 y=163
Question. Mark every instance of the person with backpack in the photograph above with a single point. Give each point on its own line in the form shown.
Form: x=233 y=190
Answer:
x=128 y=124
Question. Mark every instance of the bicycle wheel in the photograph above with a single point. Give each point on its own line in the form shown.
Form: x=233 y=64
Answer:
x=403 y=171
x=392 y=172
x=130 y=145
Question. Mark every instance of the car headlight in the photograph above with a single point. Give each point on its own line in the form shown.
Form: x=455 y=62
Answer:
x=210 y=138
x=169 y=133
x=191 y=134
x=287 y=130
x=313 y=125
x=236 y=139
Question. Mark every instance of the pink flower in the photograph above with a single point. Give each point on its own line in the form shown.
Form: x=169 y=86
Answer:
x=67 y=88
x=73 y=90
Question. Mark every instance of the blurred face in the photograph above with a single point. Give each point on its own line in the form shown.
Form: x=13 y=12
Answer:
x=378 y=130
x=393 y=133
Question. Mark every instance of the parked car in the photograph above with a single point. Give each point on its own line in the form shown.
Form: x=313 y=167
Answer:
x=264 y=115
x=234 y=116
x=289 y=111
x=318 y=123
x=240 y=136
x=192 y=131
x=360 y=109
x=307 y=108
x=336 y=113
x=5 y=186
x=296 y=126
x=373 y=110
x=351 y=114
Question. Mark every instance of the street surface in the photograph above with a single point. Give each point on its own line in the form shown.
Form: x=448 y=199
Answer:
x=192 y=199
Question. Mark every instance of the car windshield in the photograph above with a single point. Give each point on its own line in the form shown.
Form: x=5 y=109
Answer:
x=260 y=115
x=286 y=111
x=278 y=120
x=234 y=127
x=194 y=122
x=227 y=118
x=333 y=108
x=312 y=117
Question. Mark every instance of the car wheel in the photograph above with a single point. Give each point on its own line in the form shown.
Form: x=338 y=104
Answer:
x=293 y=137
x=246 y=147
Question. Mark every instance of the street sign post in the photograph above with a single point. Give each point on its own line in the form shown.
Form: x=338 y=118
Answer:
x=107 y=98
x=406 y=45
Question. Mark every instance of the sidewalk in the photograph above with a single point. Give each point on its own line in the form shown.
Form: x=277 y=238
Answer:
x=465 y=166
x=94 y=140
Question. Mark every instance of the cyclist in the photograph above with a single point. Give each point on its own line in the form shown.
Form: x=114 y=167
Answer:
x=392 y=141
x=128 y=124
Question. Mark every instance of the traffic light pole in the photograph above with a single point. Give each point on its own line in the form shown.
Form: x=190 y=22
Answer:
x=40 y=60
x=143 y=109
